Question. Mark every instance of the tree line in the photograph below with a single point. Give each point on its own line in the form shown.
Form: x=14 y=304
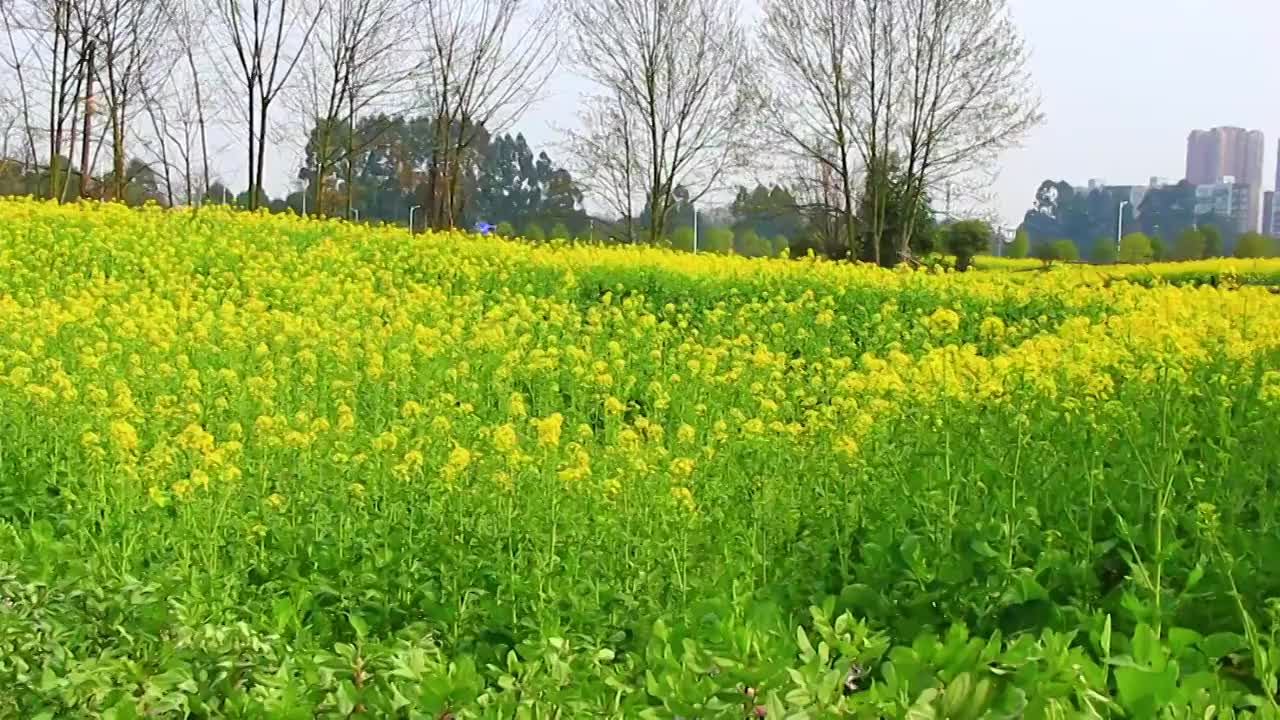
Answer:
x=839 y=123
x=1102 y=225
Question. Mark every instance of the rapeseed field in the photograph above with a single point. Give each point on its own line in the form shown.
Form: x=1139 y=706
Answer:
x=268 y=467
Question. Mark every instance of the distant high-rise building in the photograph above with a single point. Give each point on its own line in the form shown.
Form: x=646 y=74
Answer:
x=1228 y=200
x=1229 y=152
x=1270 y=223
x=1273 y=217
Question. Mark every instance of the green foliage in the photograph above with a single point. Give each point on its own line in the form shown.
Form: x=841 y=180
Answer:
x=717 y=239
x=682 y=238
x=966 y=238
x=1191 y=244
x=1021 y=244
x=778 y=245
x=1065 y=250
x=533 y=232
x=767 y=211
x=1212 y=240
x=1104 y=250
x=505 y=229
x=887 y=203
x=1136 y=248
x=749 y=244
x=802 y=246
x=906 y=494
x=1254 y=245
x=1060 y=250
x=1059 y=210
x=558 y=232
x=1158 y=251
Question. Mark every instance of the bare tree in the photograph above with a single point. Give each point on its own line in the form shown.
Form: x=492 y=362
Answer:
x=123 y=52
x=359 y=59
x=605 y=157
x=188 y=23
x=916 y=92
x=65 y=69
x=809 y=50
x=486 y=63
x=9 y=117
x=50 y=46
x=679 y=70
x=267 y=38
x=174 y=95
x=18 y=62
x=968 y=94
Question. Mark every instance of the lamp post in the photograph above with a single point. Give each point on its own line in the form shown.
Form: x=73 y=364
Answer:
x=1120 y=226
x=412 y=210
x=356 y=213
x=695 y=227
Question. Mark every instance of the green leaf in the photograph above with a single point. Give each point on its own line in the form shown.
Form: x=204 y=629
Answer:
x=956 y=696
x=48 y=679
x=1220 y=645
x=1194 y=578
x=1146 y=645
x=282 y=613
x=1182 y=638
x=1106 y=638
x=983 y=548
x=358 y=624
x=922 y=708
x=802 y=640
x=348 y=697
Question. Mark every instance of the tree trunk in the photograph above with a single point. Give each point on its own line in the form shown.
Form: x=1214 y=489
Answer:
x=88 y=129
x=117 y=154
x=204 y=140
x=262 y=157
x=253 y=136
x=351 y=153
x=54 y=87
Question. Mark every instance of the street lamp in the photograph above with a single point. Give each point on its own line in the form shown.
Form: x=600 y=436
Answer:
x=695 y=227
x=356 y=213
x=1120 y=226
x=412 y=210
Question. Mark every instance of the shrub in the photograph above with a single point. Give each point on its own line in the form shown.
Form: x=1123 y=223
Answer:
x=1021 y=244
x=965 y=239
x=1136 y=248
x=1104 y=250
x=533 y=232
x=1254 y=245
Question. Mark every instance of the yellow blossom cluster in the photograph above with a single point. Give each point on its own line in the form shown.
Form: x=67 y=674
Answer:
x=200 y=358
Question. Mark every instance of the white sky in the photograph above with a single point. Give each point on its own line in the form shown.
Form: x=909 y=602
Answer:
x=1122 y=83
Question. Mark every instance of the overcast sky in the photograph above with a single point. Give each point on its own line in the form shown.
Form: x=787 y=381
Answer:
x=1122 y=82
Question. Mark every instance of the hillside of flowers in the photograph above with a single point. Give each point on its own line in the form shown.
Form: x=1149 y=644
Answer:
x=257 y=466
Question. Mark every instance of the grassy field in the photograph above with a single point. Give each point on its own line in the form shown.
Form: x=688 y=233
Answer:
x=263 y=467
x=1214 y=271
